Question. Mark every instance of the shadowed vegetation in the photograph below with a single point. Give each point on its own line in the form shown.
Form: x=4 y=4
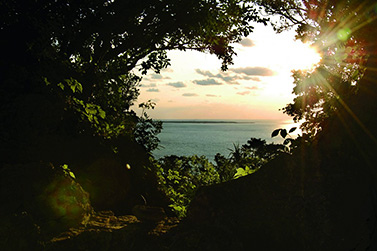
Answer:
x=71 y=142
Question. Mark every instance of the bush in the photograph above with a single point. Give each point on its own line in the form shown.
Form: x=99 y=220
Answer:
x=179 y=178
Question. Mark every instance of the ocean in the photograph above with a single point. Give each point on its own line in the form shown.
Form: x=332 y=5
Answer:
x=208 y=137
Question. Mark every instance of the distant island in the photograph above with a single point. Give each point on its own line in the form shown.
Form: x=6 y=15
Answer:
x=208 y=121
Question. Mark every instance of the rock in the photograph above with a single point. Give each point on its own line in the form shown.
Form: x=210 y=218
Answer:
x=107 y=181
x=204 y=237
x=308 y=201
x=42 y=199
x=149 y=213
x=105 y=231
x=118 y=184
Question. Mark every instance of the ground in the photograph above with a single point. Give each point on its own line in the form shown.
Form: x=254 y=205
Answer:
x=105 y=231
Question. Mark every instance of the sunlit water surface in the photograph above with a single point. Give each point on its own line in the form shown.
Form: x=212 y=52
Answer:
x=208 y=137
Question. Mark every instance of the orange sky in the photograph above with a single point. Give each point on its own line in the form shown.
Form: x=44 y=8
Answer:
x=255 y=87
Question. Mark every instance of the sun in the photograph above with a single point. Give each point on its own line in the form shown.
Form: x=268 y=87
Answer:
x=304 y=57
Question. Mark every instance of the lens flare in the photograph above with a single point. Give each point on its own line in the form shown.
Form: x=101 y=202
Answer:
x=344 y=34
x=305 y=57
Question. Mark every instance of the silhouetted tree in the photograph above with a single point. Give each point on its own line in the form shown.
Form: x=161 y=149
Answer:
x=77 y=61
x=344 y=32
x=224 y=168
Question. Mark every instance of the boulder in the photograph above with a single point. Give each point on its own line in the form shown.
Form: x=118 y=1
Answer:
x=118 y=183
x=39 y=201
x=108 y=182
x=308 y=201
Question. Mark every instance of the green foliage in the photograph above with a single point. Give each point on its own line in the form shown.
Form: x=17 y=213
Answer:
x=344 y=33
x=146 y=129
x=289 y=143
x=224 y=168
x=180 y=177
x=257 y=151
x=68 y=171
x=246 y=159
x=243 y=172
x=85 y=57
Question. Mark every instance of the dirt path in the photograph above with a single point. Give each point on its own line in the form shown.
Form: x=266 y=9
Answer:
x=105 y=231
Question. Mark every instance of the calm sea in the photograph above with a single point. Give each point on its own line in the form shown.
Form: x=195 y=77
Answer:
x=208 y=137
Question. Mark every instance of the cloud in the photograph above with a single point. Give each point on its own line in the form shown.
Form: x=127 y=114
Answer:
x=156 y=76
x=209 y=81
x=227 y=77
x=243 y=93
x=167 y=70
x=254 y=71
x=189 y=94
x=205 y=73
x=256 y=79
x=177 y=84
x=211 y=96
x=247 y=42
x=153 y=90
x=148 y=85
x=223 y=76
x=253 y=88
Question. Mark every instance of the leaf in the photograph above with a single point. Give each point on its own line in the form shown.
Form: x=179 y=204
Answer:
x=79 y=87
x=275 y=133
x=72 y=175
x=61 y=86
x=78 y=101
x=101 y=113
x=73 y=88
x=74 y=85
x=292 y=129
x=355 y=75
x=240 y=172
x=287 y=141
x=46 y=81
x=283 y=133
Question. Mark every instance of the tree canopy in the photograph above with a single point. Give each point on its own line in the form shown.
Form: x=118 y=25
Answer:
x=344 y=33
x=83 y=58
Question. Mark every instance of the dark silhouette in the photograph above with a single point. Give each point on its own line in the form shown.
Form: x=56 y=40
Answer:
x=71 y=145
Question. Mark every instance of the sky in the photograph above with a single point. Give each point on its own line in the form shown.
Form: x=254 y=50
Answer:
x=255 y=87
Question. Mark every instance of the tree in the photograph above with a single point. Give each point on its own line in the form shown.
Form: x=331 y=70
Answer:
x=82 y=58
x=224 y=167
x=343 y=32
